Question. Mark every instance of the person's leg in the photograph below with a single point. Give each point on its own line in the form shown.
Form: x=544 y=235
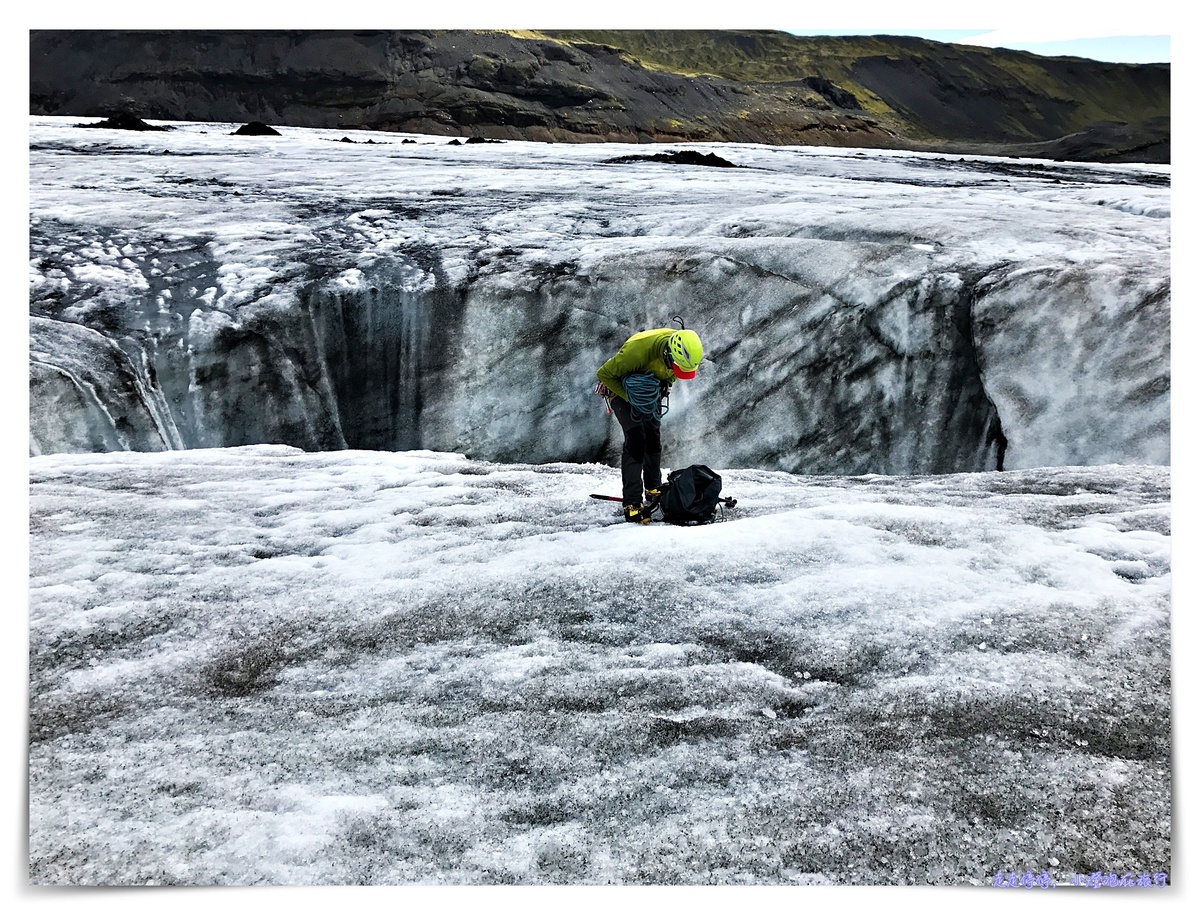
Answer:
x=633 y=454
x=652 y=460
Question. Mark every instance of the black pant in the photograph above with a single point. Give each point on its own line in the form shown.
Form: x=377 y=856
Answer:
x=641 y=458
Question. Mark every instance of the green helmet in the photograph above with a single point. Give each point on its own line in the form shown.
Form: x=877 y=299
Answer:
x=686 y=352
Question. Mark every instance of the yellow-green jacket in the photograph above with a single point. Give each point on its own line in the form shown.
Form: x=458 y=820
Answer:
x=643 y=352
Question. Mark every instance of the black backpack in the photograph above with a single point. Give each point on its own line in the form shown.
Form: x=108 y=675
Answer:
x=690 y=495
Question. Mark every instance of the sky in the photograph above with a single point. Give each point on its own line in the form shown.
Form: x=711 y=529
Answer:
x=1133 y=48
x=1110 y=31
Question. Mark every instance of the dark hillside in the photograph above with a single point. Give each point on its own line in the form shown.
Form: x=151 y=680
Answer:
x=628 y=86
x=922 y=89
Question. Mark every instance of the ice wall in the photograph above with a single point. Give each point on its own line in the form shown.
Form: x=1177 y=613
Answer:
x=1077 y=361
x=900 y=329
x=811 y=367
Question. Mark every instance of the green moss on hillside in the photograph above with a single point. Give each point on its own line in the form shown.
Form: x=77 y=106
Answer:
x=1093 y=91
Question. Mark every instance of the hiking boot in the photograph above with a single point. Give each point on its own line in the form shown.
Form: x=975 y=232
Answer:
x=652 y=498
x=636 y=514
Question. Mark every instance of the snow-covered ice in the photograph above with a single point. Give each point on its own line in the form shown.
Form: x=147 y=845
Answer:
x=410 y=650
x=862 y=311
x=257 y=665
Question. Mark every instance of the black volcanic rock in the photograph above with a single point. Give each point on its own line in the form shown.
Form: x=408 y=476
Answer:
x=687 y=157
x=1148 y=141
x=124 y=121
x=255 y=129
x=835 y=95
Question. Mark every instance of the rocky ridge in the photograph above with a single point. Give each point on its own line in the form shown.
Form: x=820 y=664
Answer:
x=636 y=87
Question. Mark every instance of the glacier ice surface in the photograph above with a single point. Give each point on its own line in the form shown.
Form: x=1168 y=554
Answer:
x=257 y=665
x=862 y=311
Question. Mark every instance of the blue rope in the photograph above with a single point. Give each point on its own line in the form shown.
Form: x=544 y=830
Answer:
x=645 y=395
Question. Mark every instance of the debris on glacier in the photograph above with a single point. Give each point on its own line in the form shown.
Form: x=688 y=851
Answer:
x=257 y=665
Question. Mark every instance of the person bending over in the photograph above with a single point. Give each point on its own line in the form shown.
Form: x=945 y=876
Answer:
x=634 y=382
